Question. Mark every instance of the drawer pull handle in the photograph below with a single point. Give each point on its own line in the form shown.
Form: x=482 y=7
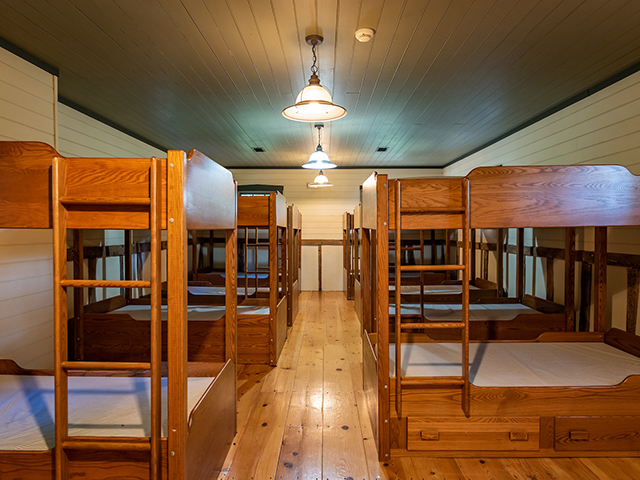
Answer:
x=578 y=435
x=429 y=436
x=518 y=436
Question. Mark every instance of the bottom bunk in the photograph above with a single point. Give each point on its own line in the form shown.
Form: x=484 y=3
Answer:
x=490 y=319
x=122 y=334
x=563 y=395
x=115 y=406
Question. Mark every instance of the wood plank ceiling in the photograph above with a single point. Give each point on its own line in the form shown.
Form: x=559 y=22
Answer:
x=439 y=79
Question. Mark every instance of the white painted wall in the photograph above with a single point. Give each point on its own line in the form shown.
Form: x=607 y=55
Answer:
x=322 y=210
x=27 y=106
x=604 y=128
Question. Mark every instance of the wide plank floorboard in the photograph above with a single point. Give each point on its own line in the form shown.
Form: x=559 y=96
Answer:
x=306 y=419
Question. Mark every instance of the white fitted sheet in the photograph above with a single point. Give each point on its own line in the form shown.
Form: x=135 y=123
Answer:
x=432 y=289
x=98 y=406
x=197 y=290
x=194 y=312
x=477 y=311
x=520 y=364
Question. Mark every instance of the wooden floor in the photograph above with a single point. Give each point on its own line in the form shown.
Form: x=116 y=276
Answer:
x=306 y=419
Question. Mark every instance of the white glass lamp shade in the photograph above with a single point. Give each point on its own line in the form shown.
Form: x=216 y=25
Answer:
x=319 y=160
x=314 y=104
x=320 y=181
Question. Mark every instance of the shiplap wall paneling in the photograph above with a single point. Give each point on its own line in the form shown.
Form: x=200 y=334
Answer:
x=604 y=128
x=27 y=113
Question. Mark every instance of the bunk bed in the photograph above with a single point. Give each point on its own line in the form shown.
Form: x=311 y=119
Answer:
x=189 y=436
x=562 y=394
x=347 y=255
x=357 y=260
x=261 y=320
x=294 y=259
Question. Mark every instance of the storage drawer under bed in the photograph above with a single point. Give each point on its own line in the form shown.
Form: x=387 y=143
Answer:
x=473 y=434
x=597 y=433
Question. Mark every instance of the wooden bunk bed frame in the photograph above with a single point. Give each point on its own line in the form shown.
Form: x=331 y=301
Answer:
x=450 y=416
x=294 y=262
x=357 y=260
x=261 y=334
x=41 y=189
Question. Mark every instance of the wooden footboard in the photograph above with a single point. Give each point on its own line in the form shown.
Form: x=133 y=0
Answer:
x=281 y=327
x=212 y=426
x=370 y=382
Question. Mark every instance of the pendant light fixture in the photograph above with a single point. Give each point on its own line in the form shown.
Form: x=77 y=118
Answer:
x=319 y=160
x=314 y=102
x=320 y=181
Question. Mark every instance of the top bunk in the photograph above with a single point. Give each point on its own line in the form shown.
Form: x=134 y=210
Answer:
x=296 y=218
x=107 y=184
x=256 y=210
x=513 y=197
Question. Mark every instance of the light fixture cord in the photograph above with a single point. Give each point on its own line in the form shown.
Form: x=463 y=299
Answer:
x=314 y=68
x=319 y=136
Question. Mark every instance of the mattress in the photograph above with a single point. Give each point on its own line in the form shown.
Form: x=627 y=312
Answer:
x=194 y=312
x=432 y=289
x=195 y=290
x=477 y=311
x=98 y=406
x=520 y=364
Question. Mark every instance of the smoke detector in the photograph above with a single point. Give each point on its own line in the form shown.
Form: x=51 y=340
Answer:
x=365 y=34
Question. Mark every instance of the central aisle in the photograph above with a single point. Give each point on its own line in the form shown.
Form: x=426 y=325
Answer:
x=301 y=419
x=307 y=419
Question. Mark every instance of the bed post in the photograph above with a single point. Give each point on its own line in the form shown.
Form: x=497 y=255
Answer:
x=194 y=254
x=177 y=313
x=570 y=277
x=600 y=260
x=500 y=260
x=382 y=293
x=273 y=277
x=231 y=297
x=60 y=318
x=128 y=263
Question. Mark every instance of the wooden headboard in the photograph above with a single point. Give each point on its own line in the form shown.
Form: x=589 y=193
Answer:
x=554 y=196
x=25 y=189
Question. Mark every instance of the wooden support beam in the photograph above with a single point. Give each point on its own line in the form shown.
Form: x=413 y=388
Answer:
x=600 y=280
x=485 y=264
x=128 y=261
x=570 y=277
x=319 y=268
x=520 y=264
x=585 y=297
x=633 y=289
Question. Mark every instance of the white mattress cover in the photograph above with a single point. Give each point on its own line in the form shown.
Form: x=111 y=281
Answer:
x=477 y=311
x=198 y=290
x=98 y=406
x=194 y=312
x=431 y=289
x=520 y=364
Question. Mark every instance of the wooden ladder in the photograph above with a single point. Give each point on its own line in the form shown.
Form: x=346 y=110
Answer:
x=463 y=326
x=96 y=206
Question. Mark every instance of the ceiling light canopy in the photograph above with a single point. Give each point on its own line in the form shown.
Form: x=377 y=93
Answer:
x=320 y=181
x=314 y=102
x=319 y=160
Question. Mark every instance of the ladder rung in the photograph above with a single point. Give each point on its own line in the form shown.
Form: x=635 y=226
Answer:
x=106 y=365
x=430 y=268
x=97 y=443
x=391 y=247
x=432 y=210
x=105 y=201
x=432 y=325
x=106 y=283
x=432 y=381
